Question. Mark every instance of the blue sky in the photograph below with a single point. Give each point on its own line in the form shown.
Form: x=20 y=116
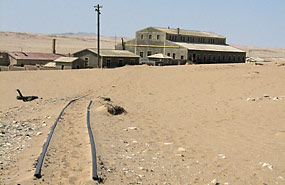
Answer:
x=245 y=22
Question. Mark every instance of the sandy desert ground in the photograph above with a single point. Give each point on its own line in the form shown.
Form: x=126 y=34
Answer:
x=193 y=124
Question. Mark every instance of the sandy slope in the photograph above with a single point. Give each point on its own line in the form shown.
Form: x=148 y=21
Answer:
x=30 y=42
x=194 y=124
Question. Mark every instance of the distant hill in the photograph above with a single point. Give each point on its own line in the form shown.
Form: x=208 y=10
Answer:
x=77 y=34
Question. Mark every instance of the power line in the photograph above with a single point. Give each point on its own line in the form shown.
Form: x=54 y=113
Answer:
x=97 y=9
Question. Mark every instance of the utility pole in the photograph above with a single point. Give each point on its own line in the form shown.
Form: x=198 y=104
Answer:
x=97 y=9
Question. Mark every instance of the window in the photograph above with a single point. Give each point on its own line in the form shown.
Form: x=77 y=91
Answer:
x=141 y=54
x=158 y=37
x=168 y=54
x=86 y=61
x=182 y=57
x=133 y=62
x=150 y=37
x=230 y=58
x=141 y=36
x=173 y=55
x=108 y=62
x=120 y=62
x=148 y=53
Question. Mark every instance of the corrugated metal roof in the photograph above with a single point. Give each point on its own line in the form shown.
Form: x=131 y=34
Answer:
x=66 y=59
x=190 y=32
x=208 y=47
x=159 y=56
x=34 y=56
x=113 y=53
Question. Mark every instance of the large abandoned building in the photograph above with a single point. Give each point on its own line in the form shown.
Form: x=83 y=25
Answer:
x=183 y=46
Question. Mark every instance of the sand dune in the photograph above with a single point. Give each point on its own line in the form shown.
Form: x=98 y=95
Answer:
x=184 y=125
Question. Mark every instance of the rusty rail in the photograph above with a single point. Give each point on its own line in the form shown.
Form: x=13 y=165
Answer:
x=93 y=149
x=45 y=147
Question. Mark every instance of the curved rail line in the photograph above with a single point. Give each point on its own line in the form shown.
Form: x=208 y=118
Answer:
x=42 y=156
x=93 y=149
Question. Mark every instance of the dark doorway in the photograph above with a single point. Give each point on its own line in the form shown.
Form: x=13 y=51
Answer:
x=194 y=57
x=62 y=67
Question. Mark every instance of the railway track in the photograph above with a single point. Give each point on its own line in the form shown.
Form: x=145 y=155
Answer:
x=66 y=151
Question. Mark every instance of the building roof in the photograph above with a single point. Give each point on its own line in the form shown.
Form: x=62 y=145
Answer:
x=208 y=47
x=66 y=59
x=112 y=53
x=34 y=56
x=190 y=32
x=159 y=56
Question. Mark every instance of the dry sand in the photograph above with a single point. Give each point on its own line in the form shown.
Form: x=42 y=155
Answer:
x=184 y=125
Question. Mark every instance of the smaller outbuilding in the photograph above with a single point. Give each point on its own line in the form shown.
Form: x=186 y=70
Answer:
x=69 y=63
x=31 y=58
x=160 y=59
x=109 y=57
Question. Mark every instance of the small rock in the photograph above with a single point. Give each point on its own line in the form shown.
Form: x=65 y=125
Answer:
x=140 y=175
x=269 y=166
x=181 y=149
x=250 y=99
x=275 y=98
x=214 y=181
x=14 y=122
x=222 y=156
x=135 y=142
x=266 y=96
x=39 y=133
x=167 y=143
x=44 y=125
x=280 y=177
x=43 y=121
x=132 y=128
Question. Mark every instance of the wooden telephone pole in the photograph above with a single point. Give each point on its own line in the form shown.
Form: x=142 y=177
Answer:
x=97 y=9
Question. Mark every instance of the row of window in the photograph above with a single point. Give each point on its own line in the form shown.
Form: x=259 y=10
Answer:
x=181 y=38
x=150 y=37
x=205 y=57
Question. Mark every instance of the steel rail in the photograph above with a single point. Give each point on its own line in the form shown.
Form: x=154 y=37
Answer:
x=45 y=147
x=93 y=149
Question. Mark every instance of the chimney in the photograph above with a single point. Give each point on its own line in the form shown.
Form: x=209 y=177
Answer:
x=178 y=30
x=123 y=44
x=53 y=46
